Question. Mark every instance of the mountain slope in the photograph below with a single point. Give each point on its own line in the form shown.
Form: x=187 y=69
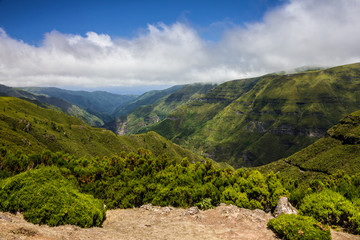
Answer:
x=339 y=150
x=147 y=115
x=252 y=122
x=52 y=103
x=144 y=99
x=98 y=103
x=27 y=127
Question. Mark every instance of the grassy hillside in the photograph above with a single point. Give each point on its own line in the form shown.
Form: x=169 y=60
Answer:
x=147 y=115
x=338 y=151
x=98 y=103
x=252 y=122
x=30 y=128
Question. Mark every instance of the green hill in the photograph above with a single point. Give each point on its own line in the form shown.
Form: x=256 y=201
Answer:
x=252 y=122
x=27 y=127
x=339 y=150
x=147 y=115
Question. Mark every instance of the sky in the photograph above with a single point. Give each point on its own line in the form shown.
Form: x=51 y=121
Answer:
x=138 y=44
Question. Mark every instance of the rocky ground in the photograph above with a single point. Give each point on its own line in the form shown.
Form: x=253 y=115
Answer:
x=150 y=222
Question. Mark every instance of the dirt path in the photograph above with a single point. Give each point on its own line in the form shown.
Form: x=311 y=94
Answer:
x=121 y=131
x=224 y=222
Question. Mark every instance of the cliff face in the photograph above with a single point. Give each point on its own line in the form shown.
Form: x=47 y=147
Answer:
x=338 y=150
x=252 y=122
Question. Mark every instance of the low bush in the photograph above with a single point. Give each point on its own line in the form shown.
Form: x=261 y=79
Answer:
x=204 y=204
x=332 y=208
x=296 y=227
x=44 y=196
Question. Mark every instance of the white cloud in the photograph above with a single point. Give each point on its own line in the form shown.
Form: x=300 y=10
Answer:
x=301 y=32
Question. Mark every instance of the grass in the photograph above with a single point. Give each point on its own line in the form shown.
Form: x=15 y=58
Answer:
x=338 y=151
x=256 y=116
x=32 y=128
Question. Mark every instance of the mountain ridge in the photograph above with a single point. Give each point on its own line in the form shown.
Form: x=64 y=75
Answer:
x=242 y=121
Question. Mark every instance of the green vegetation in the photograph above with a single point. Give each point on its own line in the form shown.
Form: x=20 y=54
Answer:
x=144 y=99
x=134 y=179
x=332 y=208
x=44 y=196
x=295 y=227
x=53 y=103
x=205 y=204
x=32 y=129
x=32 y=184
x=243 y=121
x=150 y=108
x=45 y=154
x=338 y=151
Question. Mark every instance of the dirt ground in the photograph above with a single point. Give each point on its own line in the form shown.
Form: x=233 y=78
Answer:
x=149 y=222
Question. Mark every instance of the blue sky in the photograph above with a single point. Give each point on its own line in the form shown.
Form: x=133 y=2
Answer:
x=128 y=45
x=29 y=20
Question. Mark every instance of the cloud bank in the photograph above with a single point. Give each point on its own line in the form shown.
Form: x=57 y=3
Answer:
x=299 y=33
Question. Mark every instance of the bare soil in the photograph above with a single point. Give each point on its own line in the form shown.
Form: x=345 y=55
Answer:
x=223 y=222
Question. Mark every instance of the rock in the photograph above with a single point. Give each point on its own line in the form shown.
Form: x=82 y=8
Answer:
x=166 y=209
x=5 y=218
x=192 y=211
x=156 y=209
x=284 y=207
x=148 y=206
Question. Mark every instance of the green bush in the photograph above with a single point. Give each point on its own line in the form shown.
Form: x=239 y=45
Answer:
x=131 y=180
x=332 y=208
x=296 y=227
x=204 y=204
x=44 y=196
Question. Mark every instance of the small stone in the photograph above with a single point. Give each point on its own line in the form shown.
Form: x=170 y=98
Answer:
x=192 y=211
x=147 y=206
x=5 y=218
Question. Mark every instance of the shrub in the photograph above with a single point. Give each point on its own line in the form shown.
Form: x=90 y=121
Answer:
x=331 y=207
x=204 y=204
x=296 y=227
x=44 y=196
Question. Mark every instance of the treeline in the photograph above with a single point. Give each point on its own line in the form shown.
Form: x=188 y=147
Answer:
x=131 y=180
x=57 y=188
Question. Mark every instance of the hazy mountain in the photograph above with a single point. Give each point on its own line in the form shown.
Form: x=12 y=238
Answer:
x=52 y=103
x=99 y=103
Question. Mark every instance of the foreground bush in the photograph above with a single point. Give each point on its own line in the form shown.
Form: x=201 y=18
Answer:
x=332 y=208
x=44 y=196
x=296 y=227
x=133 y=179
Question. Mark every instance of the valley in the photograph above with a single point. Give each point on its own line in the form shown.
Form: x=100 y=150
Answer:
x=241 y=145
